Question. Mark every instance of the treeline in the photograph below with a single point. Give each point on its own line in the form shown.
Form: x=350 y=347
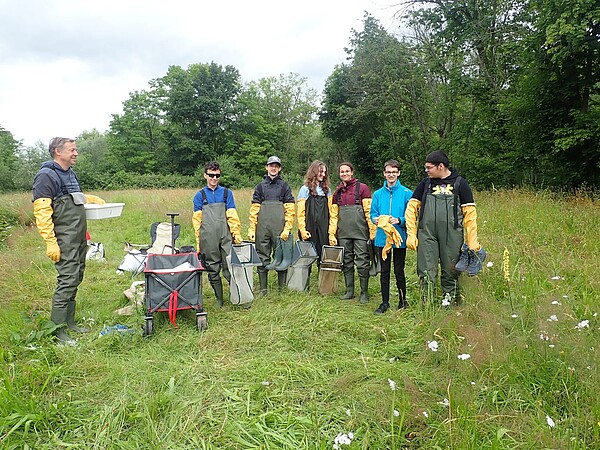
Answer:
x=508 y=89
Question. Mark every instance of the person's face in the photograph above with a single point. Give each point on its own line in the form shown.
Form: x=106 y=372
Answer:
x=433 y=170
x=322 y=174
x=67 y=155
x=391 y=175
x=346 y=173
x=212 y=178
x=273 y=169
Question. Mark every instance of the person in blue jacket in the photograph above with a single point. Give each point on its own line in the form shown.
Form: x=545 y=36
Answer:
x=388 y=207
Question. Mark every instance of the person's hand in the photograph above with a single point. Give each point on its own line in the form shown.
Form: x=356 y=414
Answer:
x=332 y=240
x=89 y=198
x=236 y=239
x=412 y=242
x=284 y=235
x=376 y=220
x=305 y=235
x=372 y=234
x=251 y=235
x=53 y=251
x=394 y=220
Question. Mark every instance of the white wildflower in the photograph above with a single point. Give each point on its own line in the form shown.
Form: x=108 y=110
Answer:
x=583 y=324
x=351 y=435
x=472 y=383
x=550 y=422
x=446 y=301
x=490 y=264
x=342 y=439
x=392 y=359
x=557 y=277
x=348 y=413
x=425 y=414
x=392 y=384
x=265 y=383
x=551 y=345
x=553 y=318
x=464 y=356
x=445 y=402
x=556 y=302
x=433 y=345
x=396 y=413
x=514 y=316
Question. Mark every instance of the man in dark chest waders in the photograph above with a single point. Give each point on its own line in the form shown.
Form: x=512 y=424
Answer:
x=271 y=217
x=217 y=226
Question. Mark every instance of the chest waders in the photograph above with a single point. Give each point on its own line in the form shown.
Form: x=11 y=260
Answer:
x=271 y=219
x=440 y=235
x=317 y=221
x=69 y=228
x=353 y=235
x=215 y=242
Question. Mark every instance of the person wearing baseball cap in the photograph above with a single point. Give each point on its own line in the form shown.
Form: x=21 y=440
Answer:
x=440 y=218
x=271 y=218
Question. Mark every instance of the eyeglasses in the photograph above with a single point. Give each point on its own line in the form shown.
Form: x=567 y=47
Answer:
x=213 y=175
x=428 y=168
x=394 y=172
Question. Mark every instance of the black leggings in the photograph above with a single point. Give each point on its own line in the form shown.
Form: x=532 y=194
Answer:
x=399 y=257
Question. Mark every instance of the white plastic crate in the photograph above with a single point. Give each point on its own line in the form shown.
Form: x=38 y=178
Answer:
x=106 y=211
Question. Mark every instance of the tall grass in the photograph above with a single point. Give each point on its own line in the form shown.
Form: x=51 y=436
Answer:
x=298 y=369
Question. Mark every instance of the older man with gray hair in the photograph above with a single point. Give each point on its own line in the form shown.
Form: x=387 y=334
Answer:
x=60 y=218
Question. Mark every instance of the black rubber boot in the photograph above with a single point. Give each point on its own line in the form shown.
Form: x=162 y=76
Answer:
x=71 y=325
x=278 y=255
x=63 y=338
x=364 y=290
x=287 y=248
x=218 y=288
x=402 y=303
x=281 y=279
x=262 y=281
x=349 y=286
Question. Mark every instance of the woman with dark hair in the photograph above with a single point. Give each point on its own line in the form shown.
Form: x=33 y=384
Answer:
x=314 y=206
x=351 y=225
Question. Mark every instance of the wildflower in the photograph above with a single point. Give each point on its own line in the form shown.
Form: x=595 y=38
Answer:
x=556 y=302
x=342 y=439
x=425 y=414
x=472 y=383
x=550 y=422
x=446 y=300
x=464 y=356
x=506 y=265
x=433 y=346
x=445 y=402
x=396 y=413
x=392 y=384
x=514 y=316
x=557 y=277
x=348 y=413
x=553 y=318
x=265 y=383
x=551 y=345
x=490 y=264
x=544 y=336
x=583 y=324
x=392 y=359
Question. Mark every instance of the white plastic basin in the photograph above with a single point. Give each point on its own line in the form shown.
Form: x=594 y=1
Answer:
x=106 y=211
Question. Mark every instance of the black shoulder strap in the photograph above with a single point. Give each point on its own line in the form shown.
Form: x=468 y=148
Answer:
x=52 y=174
x=225 y=195
x=456 y=199
x=424 y=198
x=357 y=195
x=261 y=191
x=204 y=199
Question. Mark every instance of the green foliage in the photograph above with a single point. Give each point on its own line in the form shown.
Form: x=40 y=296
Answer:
x=8 y=159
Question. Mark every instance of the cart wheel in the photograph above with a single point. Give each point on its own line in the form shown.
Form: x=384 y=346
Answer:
x=148 y=327
x=202 y=322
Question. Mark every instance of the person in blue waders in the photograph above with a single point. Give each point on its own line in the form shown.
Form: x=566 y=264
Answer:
x=60 y=218
x=216 y=226
x=440 y=217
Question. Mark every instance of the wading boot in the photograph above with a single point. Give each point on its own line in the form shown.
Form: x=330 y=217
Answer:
x=349 y=287
x=262 y=282
x=71 y=325
x=278 y=255
x=364 y=290
x=218 y=288
x=287 y=250
x=281 y=279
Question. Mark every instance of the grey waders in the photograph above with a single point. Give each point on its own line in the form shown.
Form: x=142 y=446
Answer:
x=271 y=218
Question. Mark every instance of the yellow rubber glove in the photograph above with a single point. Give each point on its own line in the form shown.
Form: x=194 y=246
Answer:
x=42 y=211
x=254 y=210
x=366 y=203
x=332 y=239
x=289 y=212
x=411 y=216
x=89 y=198
x=301 y=214
x=197 y=222
x=470 y=226
x=333 y=221
x=235 y=226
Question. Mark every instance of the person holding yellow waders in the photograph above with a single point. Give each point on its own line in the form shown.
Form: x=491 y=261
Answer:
x=351 y=226
x=216 y=225
x=271 y=219
x=60 y=218
x=440 y=216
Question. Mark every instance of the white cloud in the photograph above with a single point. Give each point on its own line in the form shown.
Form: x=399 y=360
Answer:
x=68 y=66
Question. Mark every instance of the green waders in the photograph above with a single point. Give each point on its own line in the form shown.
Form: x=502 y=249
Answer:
x=271 y=219
x=69 y=228
x=353 y=235
x=440 y=241
x=215 y=243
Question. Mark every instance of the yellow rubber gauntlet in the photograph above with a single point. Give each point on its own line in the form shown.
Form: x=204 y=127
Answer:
x=289 y=212
x=254 y=210
x=333 y=220
x=411 y=215
x=366 y=204
x=235 y=226
x=470 y=226
x=197 y=222
x=301 y=214
x=89 y=198
x=42 y=211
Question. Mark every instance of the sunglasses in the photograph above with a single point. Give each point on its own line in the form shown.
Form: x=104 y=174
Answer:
x=213 y=175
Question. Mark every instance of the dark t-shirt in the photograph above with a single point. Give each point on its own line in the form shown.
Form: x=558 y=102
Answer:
x=446 y=186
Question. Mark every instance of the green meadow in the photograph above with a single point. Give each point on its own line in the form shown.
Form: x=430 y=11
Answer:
x=515 y=366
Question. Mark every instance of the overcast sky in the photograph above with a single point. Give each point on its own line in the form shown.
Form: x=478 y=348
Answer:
x=66 y=65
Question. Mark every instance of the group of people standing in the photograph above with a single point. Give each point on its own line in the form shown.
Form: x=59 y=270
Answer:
x=438 y=220
x=435 y=220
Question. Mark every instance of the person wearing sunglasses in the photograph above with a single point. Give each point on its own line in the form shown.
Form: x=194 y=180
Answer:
x=440 y=218
x=216 y=226
x=271 y=218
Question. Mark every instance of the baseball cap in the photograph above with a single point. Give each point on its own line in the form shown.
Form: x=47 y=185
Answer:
x=273 y=160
